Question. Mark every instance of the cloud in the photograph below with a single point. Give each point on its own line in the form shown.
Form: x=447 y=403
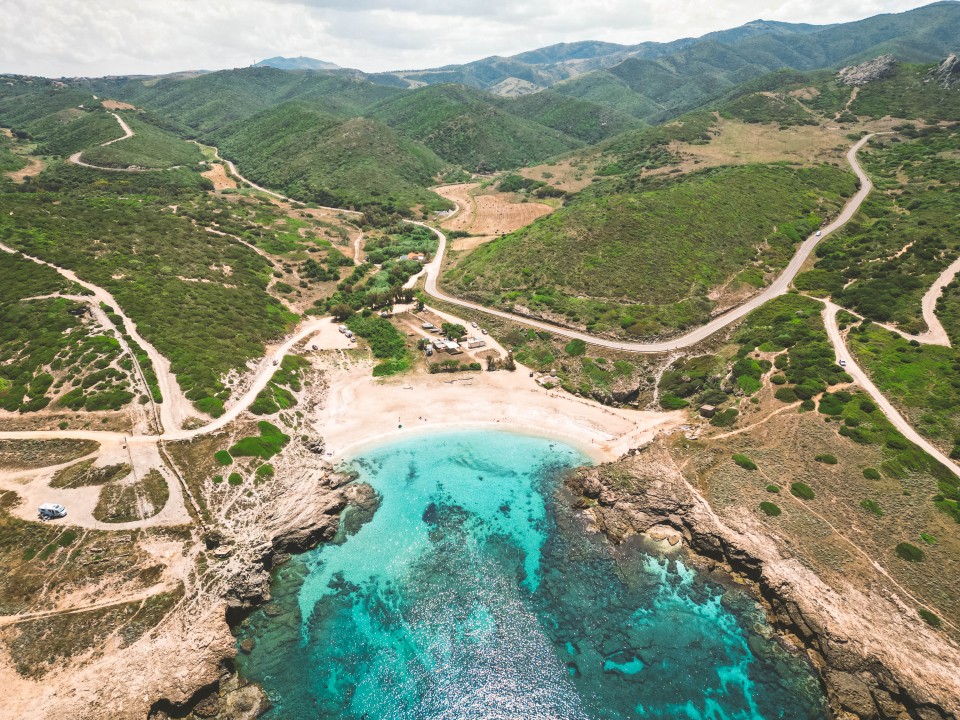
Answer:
x=98 y=37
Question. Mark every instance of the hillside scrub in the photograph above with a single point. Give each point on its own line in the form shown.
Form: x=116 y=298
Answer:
x=270 y=441
x=150 y=147
x=386 y=343
x=622 y=261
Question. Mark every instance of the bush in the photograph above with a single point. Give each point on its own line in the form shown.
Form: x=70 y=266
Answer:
x=770 y=509
x=669 y=401
x=773 y=488
x=871 y=473
x=725 y=418
x=270 y=442
x=235 y=479
x=223 y=458
x=744 y=462
x=575 y=348
x=929 y=618
x=265 y=471
x=786 y=394
x=872 y=506
x=867 y=406
x=826 y=458
x=778 y=379
x=910 y=553
x=802 y=491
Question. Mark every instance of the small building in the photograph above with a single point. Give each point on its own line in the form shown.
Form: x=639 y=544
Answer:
x=428 y=326
x=452 y=347
x=474 y=343
x=708 y=411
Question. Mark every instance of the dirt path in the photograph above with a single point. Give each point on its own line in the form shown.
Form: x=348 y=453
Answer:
x=127 y=133
x=935 y=333
x=175 y=408
x=775 y=289
x=855 y=371
x=121 y=600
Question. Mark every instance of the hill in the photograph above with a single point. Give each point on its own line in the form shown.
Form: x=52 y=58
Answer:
x=655 y=260
x=657 y=88
x=318 y=157
x=297 y=63
x=463 y=126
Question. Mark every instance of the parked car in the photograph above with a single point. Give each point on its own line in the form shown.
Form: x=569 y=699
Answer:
x=843 y=363
x=484 y=332
x=52 y=511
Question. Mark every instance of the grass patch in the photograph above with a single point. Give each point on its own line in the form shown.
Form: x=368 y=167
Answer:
x=770 y=509
x=872 y=506
x=826 y=459
x=802 y=491
x=83 y=474
x=743 y=461
x=270 y=441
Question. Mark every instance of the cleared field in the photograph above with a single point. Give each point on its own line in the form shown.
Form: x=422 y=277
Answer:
x=217 y=174
x=486 y=216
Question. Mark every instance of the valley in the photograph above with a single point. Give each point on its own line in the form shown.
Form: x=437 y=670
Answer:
x=737 y=304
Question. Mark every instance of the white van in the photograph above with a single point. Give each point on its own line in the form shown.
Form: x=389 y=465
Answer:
x=51 y=511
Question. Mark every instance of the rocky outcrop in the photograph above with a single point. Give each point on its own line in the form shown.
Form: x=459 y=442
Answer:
x=870 y=71
x=876 y=658
x=947 y=73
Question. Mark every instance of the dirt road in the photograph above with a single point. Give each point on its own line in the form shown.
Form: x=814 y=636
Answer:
x=127 y=133
x=776 y=288
x=863 y=380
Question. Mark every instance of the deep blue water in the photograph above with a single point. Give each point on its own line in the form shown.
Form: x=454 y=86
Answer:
x=474 y=592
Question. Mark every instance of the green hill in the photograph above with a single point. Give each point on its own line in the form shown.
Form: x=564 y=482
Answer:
x=643 y=263
x=317 y=157
x=584 y=120
x=8 y=159
x=467 y=127
x=150 y=147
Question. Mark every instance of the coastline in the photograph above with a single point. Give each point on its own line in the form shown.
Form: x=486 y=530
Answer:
x=866 y=674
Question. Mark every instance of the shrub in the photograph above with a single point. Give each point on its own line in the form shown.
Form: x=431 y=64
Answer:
x=265 y=471
x=725 y=418
x=910 y=553
x=786 y=394
x=575 y=348
x=669 y=401
x=223 y=458
x=270 y=442
x=773 y=488
x=67 y=538
x=872 y=506
x=744 y=462
x=802 y=491
x=867 y=406
x=871 y=473
x=217 y=479
x=235 y=479
x=770 y=509
x=929 y=618
x=826 y=458
x=778 y=379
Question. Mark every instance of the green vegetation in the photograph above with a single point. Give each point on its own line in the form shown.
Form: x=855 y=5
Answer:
x=770 y=509
x=871 y=473
x=317 y=157
x=802 y=491
x=620 y=259
x=270 y=441
x=223 y=458
x=872 y=506
x=264 y=472
x=745 y=462
x=165 y=271
x=773 y=489
x=9 y=161
x=930 y=618
x=235 y=479
x=47 y=353
x=278 y=394
x=826 y=458
x=908 y=552
x=881 y=263
x=386 y=343
x=150 y=147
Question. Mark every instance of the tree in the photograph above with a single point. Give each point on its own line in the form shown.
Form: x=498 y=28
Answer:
x=509 y=364
x=453 y=330
x=341 y=312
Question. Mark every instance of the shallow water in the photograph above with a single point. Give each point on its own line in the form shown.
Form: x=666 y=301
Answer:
x=475 y=593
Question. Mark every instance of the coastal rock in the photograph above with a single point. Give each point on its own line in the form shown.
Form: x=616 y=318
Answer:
x=947 y=73
x=875 y=659
x=870 y=71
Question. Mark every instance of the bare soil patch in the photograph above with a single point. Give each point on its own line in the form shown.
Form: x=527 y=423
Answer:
x=116 y=105
x=488 y=214
x=570 y=174
x=33 y=167
x=218 y=175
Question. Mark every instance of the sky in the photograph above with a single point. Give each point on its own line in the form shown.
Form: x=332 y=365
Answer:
x=118 y=37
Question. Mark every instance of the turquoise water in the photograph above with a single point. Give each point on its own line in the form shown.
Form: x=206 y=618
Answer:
x=474 y=592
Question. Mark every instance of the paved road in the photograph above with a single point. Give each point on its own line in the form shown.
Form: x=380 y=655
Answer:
x=776 y=288
x=863 y=380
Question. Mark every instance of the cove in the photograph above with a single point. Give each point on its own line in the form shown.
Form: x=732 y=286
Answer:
x=475 y=592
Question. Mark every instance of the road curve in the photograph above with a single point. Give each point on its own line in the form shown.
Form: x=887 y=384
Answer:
x=776 y=288
x=127 y=133
x=863 y=380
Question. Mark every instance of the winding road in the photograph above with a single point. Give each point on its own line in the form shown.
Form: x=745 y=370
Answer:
x=127 y=133
x=776 y=288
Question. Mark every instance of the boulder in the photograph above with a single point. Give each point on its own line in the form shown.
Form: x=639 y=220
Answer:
x=870 y=71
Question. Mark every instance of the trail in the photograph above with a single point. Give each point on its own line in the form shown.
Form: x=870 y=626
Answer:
x=175 y=408
x=123 y=600
x=893 y=415
x=775 y=289
x=127 y=133
x=935 y=334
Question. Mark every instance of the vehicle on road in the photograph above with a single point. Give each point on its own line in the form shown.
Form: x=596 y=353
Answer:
x=52 y=511
x=843 y=363
x=819 y=233
x=484 y=332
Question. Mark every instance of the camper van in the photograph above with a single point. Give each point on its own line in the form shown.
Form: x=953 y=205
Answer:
x=51 y=511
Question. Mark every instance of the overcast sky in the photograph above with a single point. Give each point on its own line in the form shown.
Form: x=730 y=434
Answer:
x=102 y=37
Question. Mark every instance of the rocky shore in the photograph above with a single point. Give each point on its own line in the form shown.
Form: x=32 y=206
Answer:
x=875 y=656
